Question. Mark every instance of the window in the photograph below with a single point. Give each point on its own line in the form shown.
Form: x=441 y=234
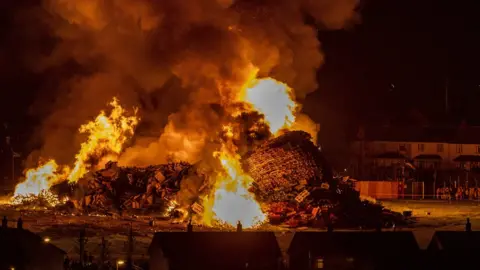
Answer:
x=440 y=148
x=478 y=149
x=319 y=264
x=402 y=147
x=421 y=147
x=459 y=148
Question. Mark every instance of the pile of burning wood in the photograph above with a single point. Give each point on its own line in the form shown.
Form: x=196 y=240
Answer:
x=292 y=180
x=296 y=183
x=124 y=188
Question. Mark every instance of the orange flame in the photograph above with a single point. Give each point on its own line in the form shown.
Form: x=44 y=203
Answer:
x=232 y=202
x=106 y=135
x=273 y=99
x=38 y=182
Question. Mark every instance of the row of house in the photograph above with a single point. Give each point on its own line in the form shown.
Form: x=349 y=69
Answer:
x=22 y=249
x=439 y=148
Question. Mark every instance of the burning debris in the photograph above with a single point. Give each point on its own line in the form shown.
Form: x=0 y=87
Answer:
x=292 y=187
x=284 y=180
x=125 y=188
x=291 y=159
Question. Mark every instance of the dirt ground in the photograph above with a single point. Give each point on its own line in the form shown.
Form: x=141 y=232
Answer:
x=63 y=230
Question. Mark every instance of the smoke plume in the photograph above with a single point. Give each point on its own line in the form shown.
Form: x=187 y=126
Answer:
x=173 y=59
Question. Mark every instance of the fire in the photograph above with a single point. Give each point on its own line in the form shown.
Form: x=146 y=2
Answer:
x=106 y=135
x=38 y=179
x=232 y=202
x=273 y=99
x=38 y=182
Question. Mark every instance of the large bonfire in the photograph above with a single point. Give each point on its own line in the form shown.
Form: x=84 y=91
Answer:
x=229 y=200
x=233 y=63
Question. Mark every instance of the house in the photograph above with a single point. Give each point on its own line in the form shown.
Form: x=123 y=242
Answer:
x=425 y=147
x=22 y=249
x=214 y=250
x=453 y=249
x=353 y=250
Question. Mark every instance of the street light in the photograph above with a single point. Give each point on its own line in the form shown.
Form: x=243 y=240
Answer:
x=120 y=262
x=46 y=240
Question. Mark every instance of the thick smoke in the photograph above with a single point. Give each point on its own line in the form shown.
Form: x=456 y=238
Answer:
x=173 y=59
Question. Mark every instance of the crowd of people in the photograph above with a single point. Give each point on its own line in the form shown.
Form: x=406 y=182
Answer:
x=458 y=193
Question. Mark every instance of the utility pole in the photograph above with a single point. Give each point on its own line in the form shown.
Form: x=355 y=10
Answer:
x=82 y=241
x=103 y=253
x=130 y=248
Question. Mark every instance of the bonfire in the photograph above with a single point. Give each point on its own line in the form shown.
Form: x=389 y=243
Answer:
x=266 y=168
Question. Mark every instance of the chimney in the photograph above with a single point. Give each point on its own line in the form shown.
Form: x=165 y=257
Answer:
x=4 y=222
x=190 y=226
x=20 y=223
x=239 y=226
x=468 y=226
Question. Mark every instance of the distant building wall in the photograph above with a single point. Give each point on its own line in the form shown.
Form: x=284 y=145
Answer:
x=447 y=151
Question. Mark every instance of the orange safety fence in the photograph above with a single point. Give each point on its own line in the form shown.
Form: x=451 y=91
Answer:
x=378 y=189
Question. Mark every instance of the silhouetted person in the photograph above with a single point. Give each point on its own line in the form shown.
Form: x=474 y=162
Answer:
x=468 y=226
x=4 y=222
x=330 y=227
x=20 y=223
x=66 y=263
x=190 y=226
x=378 y=228
x=239 y=227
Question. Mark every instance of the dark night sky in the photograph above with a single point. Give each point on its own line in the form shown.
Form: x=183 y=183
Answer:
x=410 y=44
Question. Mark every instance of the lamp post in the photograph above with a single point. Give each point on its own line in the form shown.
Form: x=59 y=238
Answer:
x=120 y=262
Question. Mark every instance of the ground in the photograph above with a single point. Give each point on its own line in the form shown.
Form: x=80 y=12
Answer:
x=63 y=230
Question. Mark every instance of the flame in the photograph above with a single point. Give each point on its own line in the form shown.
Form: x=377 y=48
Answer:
x=106 y=136
x=38 y=182
x=232 y=202
x=273 y=99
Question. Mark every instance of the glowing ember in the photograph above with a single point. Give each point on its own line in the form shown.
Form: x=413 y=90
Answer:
x=43 y=199
x=106 y=135
x=232 y=202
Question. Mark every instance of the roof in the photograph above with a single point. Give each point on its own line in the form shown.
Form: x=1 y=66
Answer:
x=217 y=248
x=20 y=243
x=461 y=135
x=455 y=240
x=428 y=157
x=467 y=158
x=354 y=242
x=391 y=155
